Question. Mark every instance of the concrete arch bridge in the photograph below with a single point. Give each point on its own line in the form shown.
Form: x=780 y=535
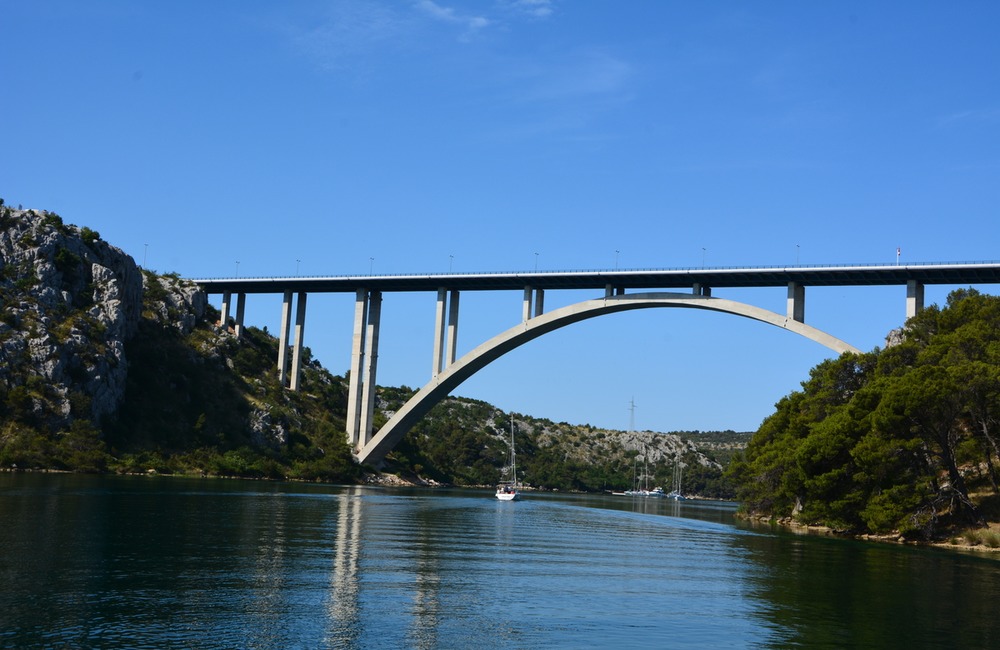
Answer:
x=618 y=291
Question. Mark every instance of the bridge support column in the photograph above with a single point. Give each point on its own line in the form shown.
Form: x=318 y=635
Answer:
x=241 y=304
x=357 y=363
x=609 y=290
x=452 y=344
x=536 y=297
x=700 y=289
x=439 y=312
x=286 y=326
x=227 y=297
x=796 y=302
x=445 y=339
x=914 y=298
x=371 y=363
x=300 y=327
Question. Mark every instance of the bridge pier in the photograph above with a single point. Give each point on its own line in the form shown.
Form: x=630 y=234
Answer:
x=286 y=325
x=367 y=423
x=227 y=297
x=357 y=361
x=796 y=302
x=439 y=312
x=534 y=297
x=364 y=364
x=700 y=289
x=300 y=327
x=914 y=298
x=452 y=343
x=291 y=379
x=445 y=338
x=241 y=304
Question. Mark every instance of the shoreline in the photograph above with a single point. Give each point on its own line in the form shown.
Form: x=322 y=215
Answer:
x=957 y=541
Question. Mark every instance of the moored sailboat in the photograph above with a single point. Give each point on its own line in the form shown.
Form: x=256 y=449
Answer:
x=509 y=490
x=676 y=492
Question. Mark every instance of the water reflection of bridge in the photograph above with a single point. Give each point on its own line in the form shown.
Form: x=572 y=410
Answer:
x=360 y=510
x=618 y=291
x=343 y=606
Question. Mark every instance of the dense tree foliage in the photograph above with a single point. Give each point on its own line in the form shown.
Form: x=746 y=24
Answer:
x=892 y=440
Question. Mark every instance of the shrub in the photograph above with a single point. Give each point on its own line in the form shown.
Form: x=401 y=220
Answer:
x=66 y=261
x=89 y=236
x=26 y=281
x=52 y=219
x=81 y=449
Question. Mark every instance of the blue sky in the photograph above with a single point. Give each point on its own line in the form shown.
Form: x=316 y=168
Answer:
x=348 y=137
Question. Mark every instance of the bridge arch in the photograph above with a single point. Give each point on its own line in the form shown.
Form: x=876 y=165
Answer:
x=491 y=350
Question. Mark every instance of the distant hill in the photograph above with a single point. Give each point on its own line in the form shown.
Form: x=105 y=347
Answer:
x=108 y=367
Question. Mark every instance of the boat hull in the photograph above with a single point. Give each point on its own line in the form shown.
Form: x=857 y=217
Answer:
x=507 y=495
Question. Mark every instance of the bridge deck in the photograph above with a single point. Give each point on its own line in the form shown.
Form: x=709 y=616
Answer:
x=958 y=273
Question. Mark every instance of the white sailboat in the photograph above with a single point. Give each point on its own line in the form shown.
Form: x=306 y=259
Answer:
x=676 y=492
x=508 y=490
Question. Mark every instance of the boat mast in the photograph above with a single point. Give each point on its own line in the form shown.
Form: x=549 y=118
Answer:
x=513 y=456
x=636 y=479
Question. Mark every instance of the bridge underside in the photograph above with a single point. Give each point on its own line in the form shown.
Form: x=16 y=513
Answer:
x=450 y=377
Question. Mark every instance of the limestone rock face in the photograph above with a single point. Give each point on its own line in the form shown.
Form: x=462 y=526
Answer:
x=68 y=304
x=894 y=337
x=267 y=431
x=175 y=303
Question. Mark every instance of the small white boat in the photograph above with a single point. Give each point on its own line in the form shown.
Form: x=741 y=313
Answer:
x=508 y=490
x=507 y=493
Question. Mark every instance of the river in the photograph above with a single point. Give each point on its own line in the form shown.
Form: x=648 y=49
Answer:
x=161 y=562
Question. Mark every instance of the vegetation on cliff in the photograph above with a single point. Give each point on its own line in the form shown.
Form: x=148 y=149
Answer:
x=903 y=439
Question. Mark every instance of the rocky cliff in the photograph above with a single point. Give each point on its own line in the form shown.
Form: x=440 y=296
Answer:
x=69 y=302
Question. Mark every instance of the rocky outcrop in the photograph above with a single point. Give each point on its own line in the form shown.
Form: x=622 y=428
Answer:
x=173 y=302
x=894 y=337
x=584 y=445
x=265 y=430
x=69 y=302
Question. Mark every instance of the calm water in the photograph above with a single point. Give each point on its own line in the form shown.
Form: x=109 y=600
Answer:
x=161 y=562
